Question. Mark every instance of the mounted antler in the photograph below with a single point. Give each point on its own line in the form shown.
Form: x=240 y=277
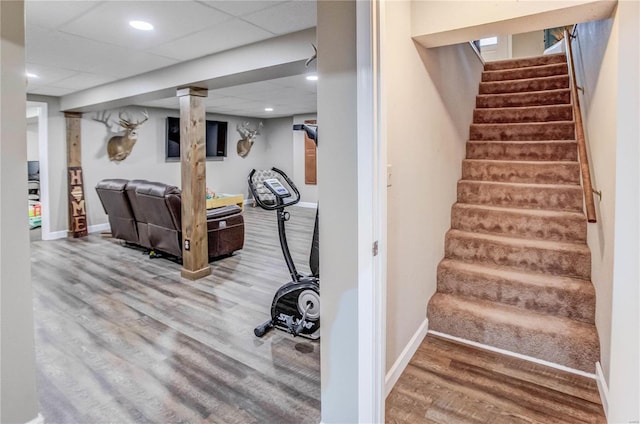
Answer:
x=248 y=137
x=120 y=146
x=312 y=58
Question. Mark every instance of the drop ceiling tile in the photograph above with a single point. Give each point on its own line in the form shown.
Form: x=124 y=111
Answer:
x=65 y=50
x=52 y=14
x=46 y=74
x=224 y=36
x=240 y=8
x=109 y=22
x=84 y=80
x=288 y=17
x=214 y=100
x=51 y=91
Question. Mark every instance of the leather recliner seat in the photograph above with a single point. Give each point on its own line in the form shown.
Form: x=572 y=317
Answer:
x=149 y=214
x=111 y=193
x=161 y=205
x=138 y=213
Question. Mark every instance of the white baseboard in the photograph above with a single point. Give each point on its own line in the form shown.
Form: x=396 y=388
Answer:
x=99 y=227
x=55 y=235
x=603 y=389
x=307 y=205
x=513 y=354
x=37 y=420
x=401 y=363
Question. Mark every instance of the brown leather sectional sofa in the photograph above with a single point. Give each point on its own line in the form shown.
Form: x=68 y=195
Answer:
x=148 y=214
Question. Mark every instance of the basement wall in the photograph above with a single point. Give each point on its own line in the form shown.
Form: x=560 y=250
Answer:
x=444 y=22
x=308 y=192
x=607 y=67
x=18 y=397
x=429 y=97
x=274 y=147
x=57 y=162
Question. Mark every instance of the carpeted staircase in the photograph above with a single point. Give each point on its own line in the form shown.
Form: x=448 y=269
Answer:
x=517 y=270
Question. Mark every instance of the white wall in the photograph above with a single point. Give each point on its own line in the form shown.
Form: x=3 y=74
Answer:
x=444 y=22
x=147 y=159
x=527 y=44
x=308 y=192
x=338 y=188
x=57 y=164
x=33 y=147
x=278 y=133
x=430 y=95
x=607 y=66
x=18 y=401
x=596 y=66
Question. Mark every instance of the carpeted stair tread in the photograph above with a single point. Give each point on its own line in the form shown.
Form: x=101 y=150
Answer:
x=554 y=295
x=528 y=72
x=525 y=62
x=542 y=256
x=546 y=113
x=533 y=98
x=553 y=82
x=527 y=131
x=516 y=270
x=524 y=150
x=521 y=195
x=563 y=341
x=536 y=172
x=517 y=222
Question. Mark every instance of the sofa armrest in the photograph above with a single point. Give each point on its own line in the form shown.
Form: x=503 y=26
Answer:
x=218 y=213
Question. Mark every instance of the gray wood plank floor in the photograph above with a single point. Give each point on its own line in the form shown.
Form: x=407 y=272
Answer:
x=121 y=338
x=451 y=383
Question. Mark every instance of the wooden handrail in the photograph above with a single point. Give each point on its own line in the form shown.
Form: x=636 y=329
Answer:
x=582 y=147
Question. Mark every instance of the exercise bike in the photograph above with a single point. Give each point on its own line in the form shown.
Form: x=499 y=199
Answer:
x=296 y=305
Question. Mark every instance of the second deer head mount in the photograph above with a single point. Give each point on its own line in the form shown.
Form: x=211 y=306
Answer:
x=248 y=135
x=119 y=146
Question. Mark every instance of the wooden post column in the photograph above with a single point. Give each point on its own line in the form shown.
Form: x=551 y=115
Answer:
x=77 y=212
x=195 y=255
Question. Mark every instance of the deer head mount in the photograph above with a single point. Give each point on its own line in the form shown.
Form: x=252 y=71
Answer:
x=248 y=135
x=120 y=146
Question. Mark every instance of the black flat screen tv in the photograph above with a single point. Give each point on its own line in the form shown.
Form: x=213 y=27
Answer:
x=215 y=139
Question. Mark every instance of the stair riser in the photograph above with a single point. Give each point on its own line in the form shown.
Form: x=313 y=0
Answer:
x=540 y=98
x=525 y=62
x=522 y=73
x=518 y=224
x=525 y=258
x=566 y=198
x=574 y=301
x=517 y=172
x=523 y=151
x=530 y=114
x=580 y=352
x=523 y=132
x=525 y=85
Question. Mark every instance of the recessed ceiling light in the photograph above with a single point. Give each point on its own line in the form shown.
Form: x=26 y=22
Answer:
x=268 y=109
x=312 y=77
x=32 y=75
x=141 y=25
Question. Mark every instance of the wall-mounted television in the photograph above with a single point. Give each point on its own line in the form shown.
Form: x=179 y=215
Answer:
x=215 y=139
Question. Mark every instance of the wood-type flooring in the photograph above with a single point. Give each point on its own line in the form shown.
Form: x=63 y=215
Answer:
x=121 y=338
x=451 y=383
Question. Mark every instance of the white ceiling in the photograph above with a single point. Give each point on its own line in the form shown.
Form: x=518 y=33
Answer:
x=76 y=45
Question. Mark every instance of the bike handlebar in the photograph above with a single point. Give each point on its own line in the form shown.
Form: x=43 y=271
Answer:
x=280 y=203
